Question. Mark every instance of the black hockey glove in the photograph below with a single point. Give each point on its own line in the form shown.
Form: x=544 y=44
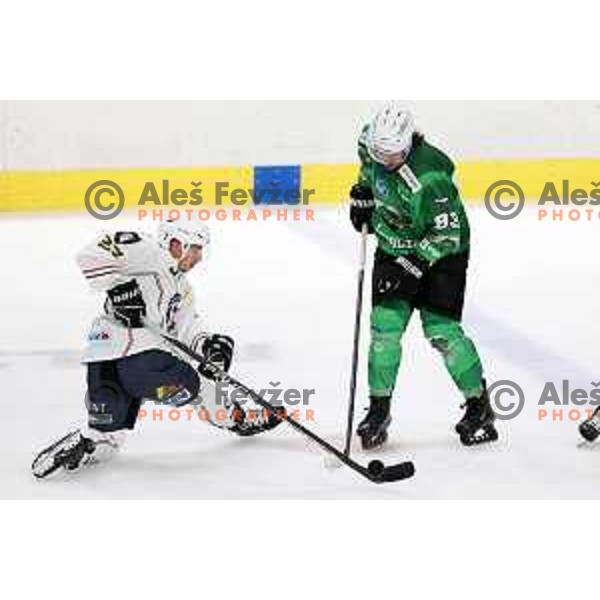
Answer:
x=218 y=350
x=362 y=207
x=127 y=304
x=397 y=277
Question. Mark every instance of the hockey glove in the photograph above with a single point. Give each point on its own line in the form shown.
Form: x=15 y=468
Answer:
x=362 y=207
x=127 y=304
x=398 y=277
x=218 y=351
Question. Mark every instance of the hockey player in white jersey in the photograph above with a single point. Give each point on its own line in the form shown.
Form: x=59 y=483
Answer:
x=146 y=290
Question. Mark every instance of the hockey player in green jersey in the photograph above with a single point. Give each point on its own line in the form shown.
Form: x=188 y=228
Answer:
x=406 y=196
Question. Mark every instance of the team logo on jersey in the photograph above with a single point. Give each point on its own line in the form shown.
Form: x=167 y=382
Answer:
x=381 y=187
x=171 y=313
x=99 y=336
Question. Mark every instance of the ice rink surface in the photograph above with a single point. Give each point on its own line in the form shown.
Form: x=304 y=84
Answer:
x=286 y=292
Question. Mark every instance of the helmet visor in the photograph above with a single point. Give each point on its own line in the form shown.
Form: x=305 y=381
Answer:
x=389 y=159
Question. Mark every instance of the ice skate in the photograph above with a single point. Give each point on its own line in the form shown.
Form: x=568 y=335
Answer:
x=477 y=425
x=373 y=428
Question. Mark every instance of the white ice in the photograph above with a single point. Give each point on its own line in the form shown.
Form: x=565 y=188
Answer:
x=286 y=292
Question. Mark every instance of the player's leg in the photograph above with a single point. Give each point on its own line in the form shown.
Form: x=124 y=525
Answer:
x=160 y=376
x=111 y=412
x=389 y=319
x=441 y=300
x=462 y=361
x=458 y=351
x=114 y=392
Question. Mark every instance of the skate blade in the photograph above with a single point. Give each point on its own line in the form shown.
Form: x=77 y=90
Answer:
x=588 y=445
x=487 y=435
x=49 y=460
x=375 y=443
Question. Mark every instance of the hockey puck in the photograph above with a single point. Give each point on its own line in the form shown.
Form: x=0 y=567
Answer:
x=331 y=462
x=376 y=468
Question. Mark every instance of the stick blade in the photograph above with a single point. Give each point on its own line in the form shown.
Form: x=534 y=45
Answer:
x=398 y=472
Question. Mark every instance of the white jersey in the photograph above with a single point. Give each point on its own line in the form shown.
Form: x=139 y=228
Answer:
x=114 y=259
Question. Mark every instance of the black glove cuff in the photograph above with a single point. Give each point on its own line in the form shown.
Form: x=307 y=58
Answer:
x=361 y=192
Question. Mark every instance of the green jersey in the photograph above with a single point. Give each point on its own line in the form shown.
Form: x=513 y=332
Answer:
x=418 y=209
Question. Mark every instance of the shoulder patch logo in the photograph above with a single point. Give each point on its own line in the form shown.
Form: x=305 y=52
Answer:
x=380 y=187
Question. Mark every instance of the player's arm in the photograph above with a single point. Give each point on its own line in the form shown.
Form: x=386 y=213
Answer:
x=217 y=349
x=441 y=205
x=187 y=324
x=108 y=266
x=445 y=225
x=362 y=198
x=102 y=262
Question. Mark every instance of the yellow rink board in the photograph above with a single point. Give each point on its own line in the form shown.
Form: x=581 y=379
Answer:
x=332 y=182
x=25 y=191
x=29 y=191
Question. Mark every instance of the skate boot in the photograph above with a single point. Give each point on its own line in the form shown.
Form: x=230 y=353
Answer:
x=372 y=430
x=590 y=429
x=68 y=453
x=477 y=425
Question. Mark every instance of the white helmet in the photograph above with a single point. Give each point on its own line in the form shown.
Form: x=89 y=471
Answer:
x=390 y=133
x=189 y=233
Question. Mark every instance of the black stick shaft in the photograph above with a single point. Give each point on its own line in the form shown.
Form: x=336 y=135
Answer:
x=356 y=346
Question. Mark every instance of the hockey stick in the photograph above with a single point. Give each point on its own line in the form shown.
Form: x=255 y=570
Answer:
x=376 y=472
x=356 y=348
